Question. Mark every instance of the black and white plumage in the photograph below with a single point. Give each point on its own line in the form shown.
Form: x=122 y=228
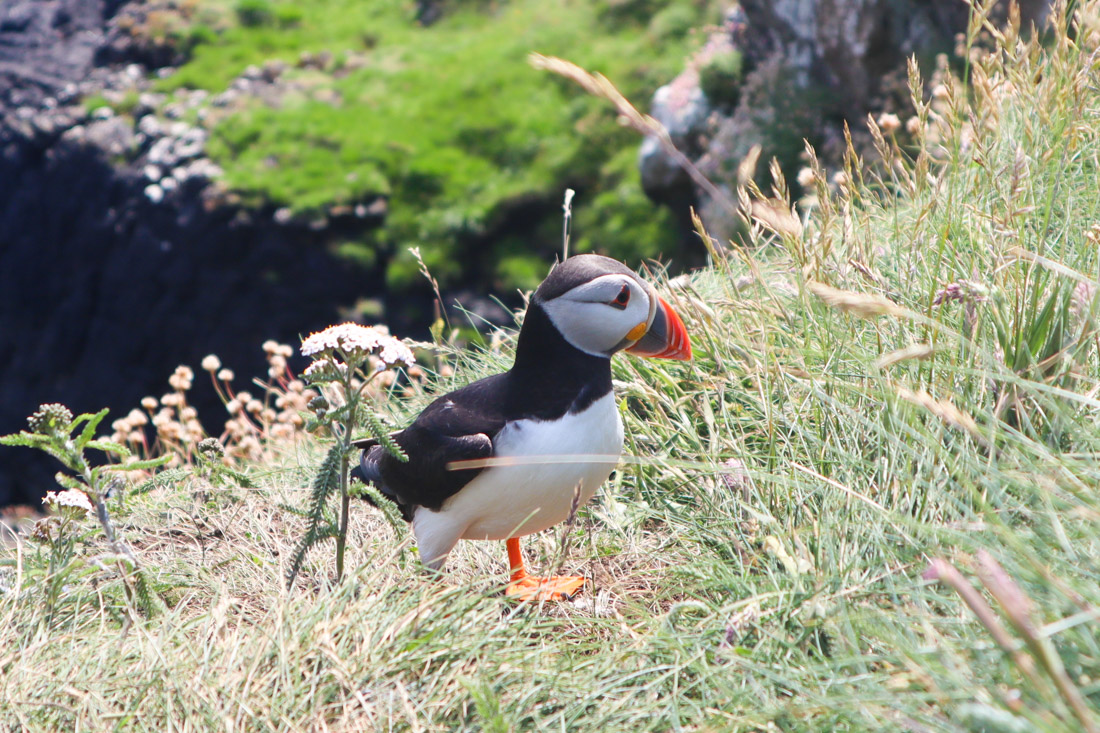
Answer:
x=555 y=400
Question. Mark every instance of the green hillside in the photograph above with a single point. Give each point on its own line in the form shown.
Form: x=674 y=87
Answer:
x=871 y=502
x=446 y=120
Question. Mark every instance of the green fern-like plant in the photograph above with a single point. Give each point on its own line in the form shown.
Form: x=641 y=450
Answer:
x=346 y=358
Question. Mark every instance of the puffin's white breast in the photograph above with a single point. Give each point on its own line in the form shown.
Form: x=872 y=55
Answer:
x=511 y=501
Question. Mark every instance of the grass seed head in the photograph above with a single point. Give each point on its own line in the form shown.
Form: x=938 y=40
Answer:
x=861 y=305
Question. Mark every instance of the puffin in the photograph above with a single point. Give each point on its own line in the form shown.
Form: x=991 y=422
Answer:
x=556 y=401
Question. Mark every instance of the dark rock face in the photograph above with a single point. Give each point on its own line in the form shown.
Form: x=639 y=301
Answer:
x=45 y=44
x=806 y=67
x=118 y=257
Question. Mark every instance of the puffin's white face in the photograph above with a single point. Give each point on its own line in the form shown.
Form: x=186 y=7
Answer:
x=604 y=315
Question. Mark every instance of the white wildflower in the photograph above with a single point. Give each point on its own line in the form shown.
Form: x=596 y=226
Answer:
x=324 y=369
x=356 y=342
x=181 y=379
x=70 y=500
x=889 y=123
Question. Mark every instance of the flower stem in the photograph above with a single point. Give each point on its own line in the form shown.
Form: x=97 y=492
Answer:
x=345 y=445
x=342 y=537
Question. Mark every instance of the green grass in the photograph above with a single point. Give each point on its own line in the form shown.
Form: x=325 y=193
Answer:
x=448 y=121
x=792 y=601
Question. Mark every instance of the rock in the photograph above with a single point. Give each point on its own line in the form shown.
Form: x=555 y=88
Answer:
x=784 y=71
x=47 y=125
x=190 y=144
x=224 y=99
x=162 y=153
x=273 y=69
x=150 y=126
x=112 y=135
x=683 y=109
x=68 y=94
x=17 y=17
x=121 y=253
x=102 y=113
x=74 y=134
x=203 y=168
x=147 y=104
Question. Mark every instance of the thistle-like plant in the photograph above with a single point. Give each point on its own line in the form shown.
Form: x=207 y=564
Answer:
x=53 y=429
x=346 y=358
x=59 y=533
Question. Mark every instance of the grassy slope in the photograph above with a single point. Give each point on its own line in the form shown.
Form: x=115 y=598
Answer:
x=796 y=600
x=446 y=120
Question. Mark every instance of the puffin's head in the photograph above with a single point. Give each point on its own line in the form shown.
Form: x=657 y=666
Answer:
x=601 y=306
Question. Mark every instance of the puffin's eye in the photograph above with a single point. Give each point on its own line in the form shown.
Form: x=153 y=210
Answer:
x=621 y=299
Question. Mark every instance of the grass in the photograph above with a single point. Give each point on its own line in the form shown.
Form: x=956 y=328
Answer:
x=767 y=569
x=447 y=121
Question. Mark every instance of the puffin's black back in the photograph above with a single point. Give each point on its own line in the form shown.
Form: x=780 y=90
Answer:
x=550 y=377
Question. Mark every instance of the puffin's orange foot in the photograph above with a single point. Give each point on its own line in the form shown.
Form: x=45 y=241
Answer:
x=557 y=588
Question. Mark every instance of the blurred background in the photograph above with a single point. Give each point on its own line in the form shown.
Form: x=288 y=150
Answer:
x=187 y=177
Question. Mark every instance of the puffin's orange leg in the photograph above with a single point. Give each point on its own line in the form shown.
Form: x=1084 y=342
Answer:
x=527 y=588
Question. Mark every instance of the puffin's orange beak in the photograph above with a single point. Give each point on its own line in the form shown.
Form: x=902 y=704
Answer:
x=666 y=338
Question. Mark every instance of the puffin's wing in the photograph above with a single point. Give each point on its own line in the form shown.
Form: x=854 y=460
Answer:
x=459 y=426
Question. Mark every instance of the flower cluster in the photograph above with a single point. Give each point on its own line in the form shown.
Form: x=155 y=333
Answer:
x=257 y=421
x=358 y=343
x=1081 y=300
x=129 y=429
x=211 y=363
x=71 y=502
x=66 y=507
x=211 y=449
x=176 y=423
x=966 y=291
x=277 y=354
x=50 y=419
x=359 y=358
x=181 y=379
x=253 y=420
